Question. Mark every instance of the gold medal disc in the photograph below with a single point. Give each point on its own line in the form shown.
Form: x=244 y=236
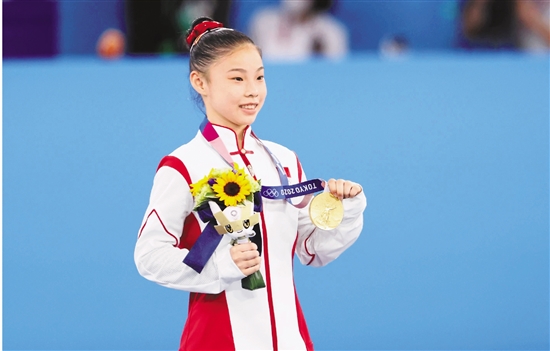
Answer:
x=326 y=211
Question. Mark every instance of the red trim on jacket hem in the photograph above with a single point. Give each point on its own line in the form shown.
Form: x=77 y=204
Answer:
x=177 y=164
x=208 y=315
x=305 y=247
x=302 y=325
x=163 y=226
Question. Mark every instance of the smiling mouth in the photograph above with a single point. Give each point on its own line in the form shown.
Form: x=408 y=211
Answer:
x=250 y=107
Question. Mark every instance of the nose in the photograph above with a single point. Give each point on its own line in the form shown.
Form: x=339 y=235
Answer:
x=251 y=90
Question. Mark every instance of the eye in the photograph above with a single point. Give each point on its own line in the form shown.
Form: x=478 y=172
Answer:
x=246 y=223
x=228 y=228
x=238 y=79
x=261 y=78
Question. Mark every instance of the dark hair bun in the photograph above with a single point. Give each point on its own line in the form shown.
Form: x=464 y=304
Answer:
x=199 y=27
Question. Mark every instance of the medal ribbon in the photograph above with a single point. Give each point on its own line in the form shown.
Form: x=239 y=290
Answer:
x=289 y=191
x=213 y=138
x=285 y=191
x=208 y=240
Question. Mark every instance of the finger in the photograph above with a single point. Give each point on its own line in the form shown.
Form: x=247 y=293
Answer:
x=340 y=188
x=256 y=262
x=348 y=188
x=355 y=190
x=351 y=189
x=234 y=251
x=331 y=185
x=250 y=270
x=237 y=250
x=249 y=255
x=249 y=264
x=250 y=246
x=239 y=255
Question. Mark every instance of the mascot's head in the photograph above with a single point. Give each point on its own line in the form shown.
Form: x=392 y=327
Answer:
x=235 y=221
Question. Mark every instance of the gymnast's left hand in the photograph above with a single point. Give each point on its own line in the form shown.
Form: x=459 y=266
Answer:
x=344 y=189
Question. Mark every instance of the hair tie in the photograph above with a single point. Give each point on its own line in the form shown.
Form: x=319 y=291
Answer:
x=199 y=30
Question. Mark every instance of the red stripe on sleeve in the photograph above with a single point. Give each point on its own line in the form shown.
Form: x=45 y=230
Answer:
x=175 y=163
x=163 y=226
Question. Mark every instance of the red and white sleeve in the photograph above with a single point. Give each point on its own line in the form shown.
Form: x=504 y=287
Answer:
x=318 y=247
x=159 y=252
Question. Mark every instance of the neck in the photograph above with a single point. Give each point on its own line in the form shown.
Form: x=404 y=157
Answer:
x=240 y=137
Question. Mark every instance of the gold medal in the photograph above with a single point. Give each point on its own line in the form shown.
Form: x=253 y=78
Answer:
x=326 y=211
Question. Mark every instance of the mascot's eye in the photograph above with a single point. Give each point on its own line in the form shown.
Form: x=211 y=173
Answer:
x=228 y=228
x=246 y=223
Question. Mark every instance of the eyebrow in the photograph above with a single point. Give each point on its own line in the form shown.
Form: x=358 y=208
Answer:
x=243 y=70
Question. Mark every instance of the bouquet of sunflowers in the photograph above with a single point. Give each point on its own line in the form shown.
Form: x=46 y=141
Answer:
x=228 y=186
x=231 y=198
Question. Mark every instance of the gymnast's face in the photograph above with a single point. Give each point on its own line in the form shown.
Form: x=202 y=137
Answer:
x=234 y=88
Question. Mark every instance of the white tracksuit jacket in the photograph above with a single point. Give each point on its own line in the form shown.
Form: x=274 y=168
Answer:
x=222 y=315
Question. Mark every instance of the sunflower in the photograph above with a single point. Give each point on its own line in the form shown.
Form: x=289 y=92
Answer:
x=231 y=188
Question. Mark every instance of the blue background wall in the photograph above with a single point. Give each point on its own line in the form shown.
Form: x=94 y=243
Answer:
x=452 y=152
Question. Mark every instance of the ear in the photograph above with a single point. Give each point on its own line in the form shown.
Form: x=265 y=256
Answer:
x=248 y=208
x=198 y=82
x=214 y=207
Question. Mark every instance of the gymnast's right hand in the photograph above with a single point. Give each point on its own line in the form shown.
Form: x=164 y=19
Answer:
x=246 y=257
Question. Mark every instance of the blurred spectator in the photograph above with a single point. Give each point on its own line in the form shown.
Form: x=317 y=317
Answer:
x=394 y=45
x=158 y=26
x=111 y=44
x=514 y=24
x=535 y=30
x=297 y=30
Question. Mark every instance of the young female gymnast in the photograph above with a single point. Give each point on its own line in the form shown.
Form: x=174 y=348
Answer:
x=227 y=161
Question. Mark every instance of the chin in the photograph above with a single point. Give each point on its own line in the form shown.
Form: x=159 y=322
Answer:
x=247 y=120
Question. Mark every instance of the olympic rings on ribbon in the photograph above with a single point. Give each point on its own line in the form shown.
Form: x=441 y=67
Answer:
x=270 y=193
